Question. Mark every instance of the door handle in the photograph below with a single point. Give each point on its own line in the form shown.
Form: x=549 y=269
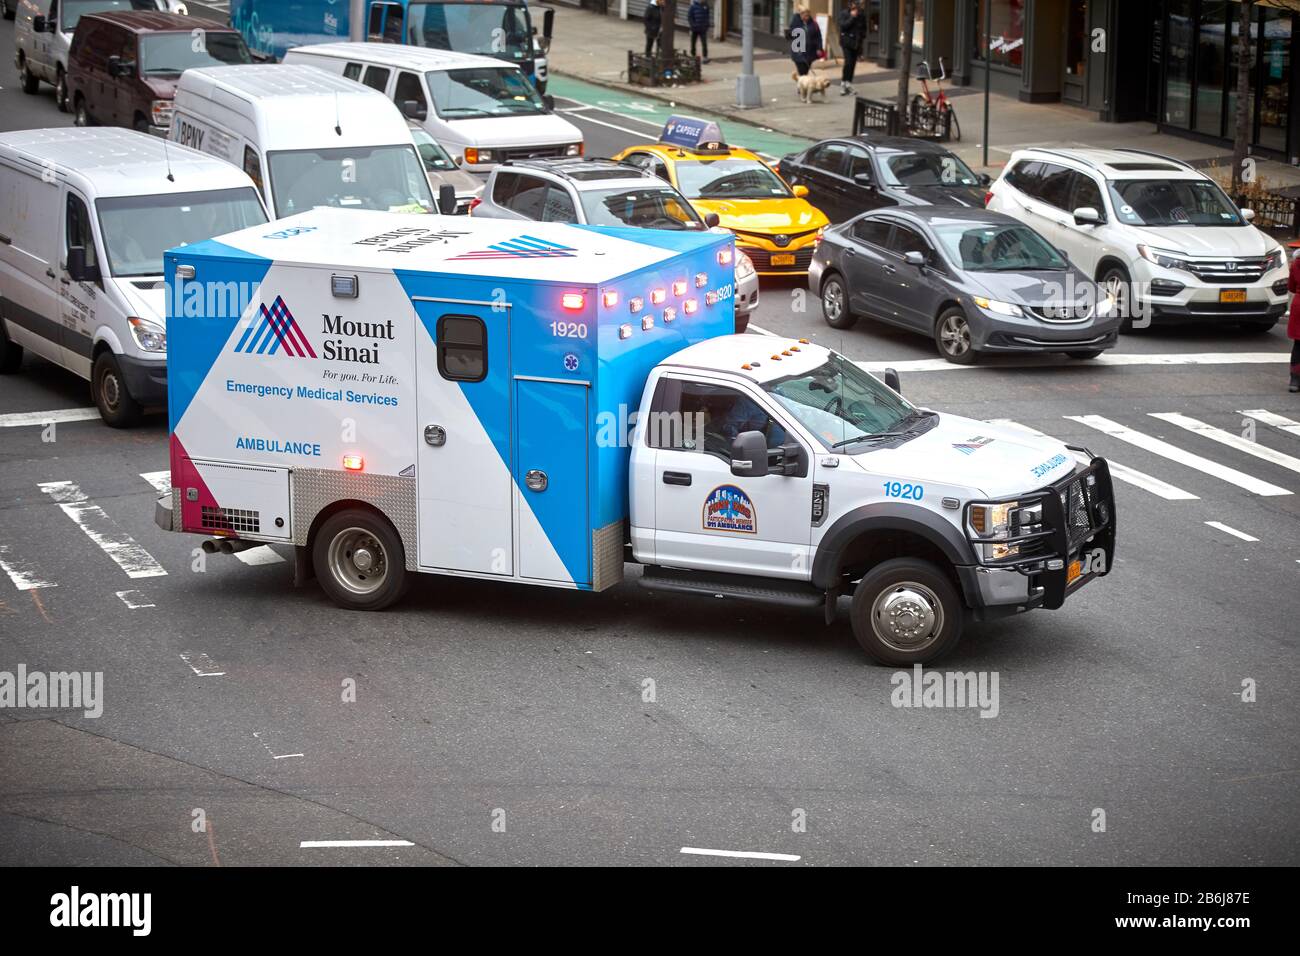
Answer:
x=50 y=273
x=850 y=251
x=435 y=435
x=677 y=478
x=888 y=268
x=5 y=240
x=65 y=280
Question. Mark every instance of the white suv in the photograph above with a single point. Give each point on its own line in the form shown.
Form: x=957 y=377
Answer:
x=1160 y=236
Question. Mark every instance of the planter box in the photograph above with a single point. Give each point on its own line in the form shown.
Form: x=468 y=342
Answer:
x=661 y=70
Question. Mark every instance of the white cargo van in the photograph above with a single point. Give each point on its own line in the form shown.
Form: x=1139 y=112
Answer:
x=484 y=111
x=85 y=215
x=307 y=137
x=43 y=35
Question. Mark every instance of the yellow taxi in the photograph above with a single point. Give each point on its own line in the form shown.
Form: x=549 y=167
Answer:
x=774 y=225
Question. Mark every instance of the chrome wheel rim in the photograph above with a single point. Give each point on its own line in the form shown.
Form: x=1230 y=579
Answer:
x=954 y=334
x=61 y=91
x=833 y=301
x=907 y=616
x=358 y=562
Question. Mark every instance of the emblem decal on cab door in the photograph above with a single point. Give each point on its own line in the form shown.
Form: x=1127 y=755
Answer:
x=728 y=508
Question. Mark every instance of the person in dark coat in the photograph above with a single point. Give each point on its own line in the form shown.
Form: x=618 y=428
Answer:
x=805 y=40
x=853 y=31
x=700 y=17
x=654 y=19
x=1293 y=322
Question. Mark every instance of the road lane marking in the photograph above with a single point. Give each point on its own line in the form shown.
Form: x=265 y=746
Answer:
x=274 y=755
x=1219 y=525
x=134 y=600
x=161 y=480
x=740 y=854
x=622 y=129
x=22 y=573
x=20 y=419
x=259 y=555
x=1228 y=438
x=1138 y=358
x=1174 y=453
x=318 y=844
x=1277 y=421
x=201 y=664
x=1123 y=472
x=103 y=530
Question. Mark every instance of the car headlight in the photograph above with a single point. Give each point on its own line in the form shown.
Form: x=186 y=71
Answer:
x=1274 y=259
x=475 y=156
x=573 y=149
x=162 y=112
x=1161 y=258
x=744 y=265
x=994 y=521
x=148 y=335
x=1000 y=308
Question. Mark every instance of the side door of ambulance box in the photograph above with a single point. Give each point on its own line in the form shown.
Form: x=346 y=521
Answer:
x=29 y=249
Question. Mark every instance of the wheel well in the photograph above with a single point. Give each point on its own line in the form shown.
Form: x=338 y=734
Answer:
x=99 y=349
x=1106 y=263
x=875 y=547
x=944 y=306
x=346 y=504
x=827 y=275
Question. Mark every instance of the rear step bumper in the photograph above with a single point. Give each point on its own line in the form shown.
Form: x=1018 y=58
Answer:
x=745 y=587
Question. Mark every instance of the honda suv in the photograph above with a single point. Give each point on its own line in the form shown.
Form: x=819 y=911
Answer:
x=1160 y=236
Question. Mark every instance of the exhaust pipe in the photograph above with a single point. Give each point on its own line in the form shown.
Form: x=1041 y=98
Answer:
x=227 y=545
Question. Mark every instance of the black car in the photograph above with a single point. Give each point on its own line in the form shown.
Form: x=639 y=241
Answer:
x=855 y=174
x=973 y=280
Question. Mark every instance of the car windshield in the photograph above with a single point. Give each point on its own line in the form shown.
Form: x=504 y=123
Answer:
x=729 y=179
x=74 y=10
x=649 y=207
x=1172 y=202
x=841 y=404
x=433 y=156
x=926 y=169
x=483 y=91
x=137 y=229
x=174 y=53
x=989 y=247
x=360 y=177
x=491 y=29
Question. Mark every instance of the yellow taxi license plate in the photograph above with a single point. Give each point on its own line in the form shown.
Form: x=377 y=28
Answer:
x=1073 y=572
x=1232 y=295
x=787 y=259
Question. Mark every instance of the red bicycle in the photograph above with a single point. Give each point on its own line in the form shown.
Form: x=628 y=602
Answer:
x=930 y=114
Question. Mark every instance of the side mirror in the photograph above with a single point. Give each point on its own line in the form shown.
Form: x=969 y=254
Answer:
x=1086 y=216
x=891 y=380
x=749 y=455
x=985 y=179
x=914 y=258
x=1064 y=254
x=711 y=220
x=414 y=109
x=548 y=101
x=548 y=22
x=800 y=192
x=447 y=199
x=38 y=24
x=1248 y=215
x=864 y=180
x=794 y=461
x=77 y=267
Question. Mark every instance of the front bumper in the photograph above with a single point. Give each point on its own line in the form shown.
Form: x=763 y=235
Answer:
x=145 y=380
x=996 y=333
x=747 y=294
x=763 y=255
x=1193 y=300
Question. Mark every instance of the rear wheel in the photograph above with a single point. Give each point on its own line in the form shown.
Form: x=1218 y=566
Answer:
x=952 y=337
x=906 y=611
x=141 y=124
x=61 y=91
x=81 y=113
x=835 y=303
x=359 y=560
x=116 y=406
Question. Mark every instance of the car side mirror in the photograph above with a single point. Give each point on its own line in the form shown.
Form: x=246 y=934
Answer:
x=1248 y=214
x=914 y=258
x=711 y=220
x=414 y=109
x=892 y=380
x=984 y=179
x=78 y=268
x=1086 y=216
x=447 y=199
x=800 y=192
x=38 y=24
x=548 y=101
x=864 y=179
x=1064 y=254
x=794 y=460
x=749 y=455
x=548 y=22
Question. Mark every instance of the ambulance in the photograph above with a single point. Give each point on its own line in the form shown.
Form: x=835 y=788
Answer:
x=550 y=404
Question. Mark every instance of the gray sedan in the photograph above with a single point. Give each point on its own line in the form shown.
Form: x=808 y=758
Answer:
x=975 y=281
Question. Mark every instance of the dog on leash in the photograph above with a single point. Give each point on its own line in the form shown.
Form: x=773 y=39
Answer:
x=808 y=86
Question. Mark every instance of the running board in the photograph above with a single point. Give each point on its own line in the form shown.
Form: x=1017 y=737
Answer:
x=745 y=587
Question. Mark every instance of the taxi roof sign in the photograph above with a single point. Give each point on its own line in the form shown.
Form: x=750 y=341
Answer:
x=692 y=133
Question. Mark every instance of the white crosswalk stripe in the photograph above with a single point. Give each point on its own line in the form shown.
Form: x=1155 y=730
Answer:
x=103 y=530
x=1271 y=455
x=1268 y=418
x=22 y=573
x=161 y=480
x=1163 y=448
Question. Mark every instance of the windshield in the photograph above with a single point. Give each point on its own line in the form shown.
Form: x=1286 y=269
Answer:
x=649 y=207
x=360 y=177
x=174 y=53
x=491 y=29
x=926 y=169
x=483 y=91
x=729 y=179
x=997 y=248
x=840 y=403
x=74 y=10
x=137 y=229
x=1176 y=202
x=433 y=156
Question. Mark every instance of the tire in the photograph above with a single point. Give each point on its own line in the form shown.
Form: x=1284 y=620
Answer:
x=952 y=337
x=1115 y=280
x=10 y=8
x=1083 y=355
x=11 y=355
x=742 y=322
x=1256 y=328
x=141 y=125
x=61 y=91
x=835 y=303
x=920 y=114
x=116 y=406
x=906 y=611
x=953 y=126
x=29 y=82
x=359 y=560
x=81 y=113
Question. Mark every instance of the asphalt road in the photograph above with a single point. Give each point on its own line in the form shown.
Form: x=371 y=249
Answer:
x=503 y=724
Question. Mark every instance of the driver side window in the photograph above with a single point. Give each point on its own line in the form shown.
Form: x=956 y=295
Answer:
x=78 y=229
x=700 y=416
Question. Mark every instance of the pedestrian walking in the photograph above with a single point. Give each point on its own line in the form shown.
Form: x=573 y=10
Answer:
x=1293 y=322
x=654 y=20
x=700 y=17
x=853 y=30
x=805 y=40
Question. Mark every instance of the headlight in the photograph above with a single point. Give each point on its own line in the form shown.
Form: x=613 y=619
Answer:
x=1161 y=258
x=148 y=335
x=573 y=149
x=475 y=156
x=162 y=112
x=1274 y=259
x=1000 y=308
x=994 y=521
x=744 y=265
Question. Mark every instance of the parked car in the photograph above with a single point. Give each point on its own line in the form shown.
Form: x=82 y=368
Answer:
x=846 y=176
x=124 y=67
x=443 y=171
x=601 y=192
x=975 y=281
x=1160 y=235
x=43 y=31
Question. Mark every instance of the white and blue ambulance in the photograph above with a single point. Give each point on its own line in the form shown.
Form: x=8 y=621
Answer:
x=546 y=403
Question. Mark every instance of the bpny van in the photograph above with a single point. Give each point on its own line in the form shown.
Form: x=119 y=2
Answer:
x=103 y=909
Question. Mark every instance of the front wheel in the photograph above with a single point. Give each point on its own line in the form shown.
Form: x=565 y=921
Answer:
x=61 y=91
x=359 y=560
x=81 y=114
x=116 y=406
x=906 y=611
x=835 y=304
x=952 y=336
x=30 y=83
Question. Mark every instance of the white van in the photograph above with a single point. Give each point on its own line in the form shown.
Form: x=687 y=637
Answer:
x=85 y=215
x=307 y=137
x=484 y=111
x=43 y=35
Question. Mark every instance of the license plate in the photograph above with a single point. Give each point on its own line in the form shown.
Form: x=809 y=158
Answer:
x=1232 y=295
x=1072 y=573
x=787 y=259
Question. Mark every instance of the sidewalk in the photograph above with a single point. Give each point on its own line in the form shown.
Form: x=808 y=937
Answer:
x=592 y=47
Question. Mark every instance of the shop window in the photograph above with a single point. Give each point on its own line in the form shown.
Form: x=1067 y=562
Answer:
x=1007 y=46
x=1178 y=65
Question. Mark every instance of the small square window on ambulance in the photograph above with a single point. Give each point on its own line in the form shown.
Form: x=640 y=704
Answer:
x=462 y=348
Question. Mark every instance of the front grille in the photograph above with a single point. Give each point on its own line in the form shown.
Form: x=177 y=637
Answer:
x=229 y=519
x=1227 y=271
x=1083 y=514
x=791 y=237
x=762 y=260
x=1060 y=314
x=535 y=152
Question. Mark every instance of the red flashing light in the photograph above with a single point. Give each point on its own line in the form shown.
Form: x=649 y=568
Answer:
x=353 y=463
x=690 y=305
x=724 y=257
x=573 y=301
x=679 y=287
x=657 y=296
x=610 y=299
